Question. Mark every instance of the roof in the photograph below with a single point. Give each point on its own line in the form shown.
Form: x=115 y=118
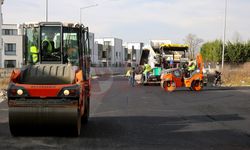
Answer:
x=65 y=24
x=175 y=47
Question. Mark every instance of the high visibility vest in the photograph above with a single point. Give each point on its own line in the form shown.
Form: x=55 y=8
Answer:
x=49 y=48
x=191 y=68
x=34 y=54
x=147 y=68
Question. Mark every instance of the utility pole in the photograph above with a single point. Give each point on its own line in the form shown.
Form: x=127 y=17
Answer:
x=46 y=10
x=1 y=41
x=224 y=35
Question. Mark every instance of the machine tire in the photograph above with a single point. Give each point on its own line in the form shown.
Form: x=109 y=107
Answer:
x=169 y=86
x=85 y=116
x=76 y=131
x=15 y=132
x=196 y=85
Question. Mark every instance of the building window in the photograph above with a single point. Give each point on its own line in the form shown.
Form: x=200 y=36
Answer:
x=126 y=54
x=10 y=63
x=100 y=51
x=9 y=31
x=104 y=56
x=10 y=48
x=133 y=54
x=106 y=43
x=129 y=56
x=107 y=48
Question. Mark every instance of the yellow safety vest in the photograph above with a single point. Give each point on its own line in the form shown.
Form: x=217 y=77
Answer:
x=147 y=68
x=49 y=46
x=191 y=68
x=34 y=54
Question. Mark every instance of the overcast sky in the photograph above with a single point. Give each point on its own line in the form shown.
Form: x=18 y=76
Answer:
x=140 y=20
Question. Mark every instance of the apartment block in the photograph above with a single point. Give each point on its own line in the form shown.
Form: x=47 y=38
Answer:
x=11 y=53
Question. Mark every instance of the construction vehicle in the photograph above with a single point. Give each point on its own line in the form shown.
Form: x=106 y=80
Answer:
x=175 y=77
x=51 y=92
x=150 y=61
x=161 y=54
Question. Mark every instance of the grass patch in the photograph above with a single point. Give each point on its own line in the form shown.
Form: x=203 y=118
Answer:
x=4 y=83
x=236 y=75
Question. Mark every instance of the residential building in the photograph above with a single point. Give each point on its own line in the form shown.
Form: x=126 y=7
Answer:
x=110 y=52
x=12 y=53
x=133 y=52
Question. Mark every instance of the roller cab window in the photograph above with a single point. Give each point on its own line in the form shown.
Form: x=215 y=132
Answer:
x=71 y=46
x=50 y=43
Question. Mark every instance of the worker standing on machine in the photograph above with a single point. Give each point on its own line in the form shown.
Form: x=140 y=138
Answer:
x=191 y=68
x=34 y=54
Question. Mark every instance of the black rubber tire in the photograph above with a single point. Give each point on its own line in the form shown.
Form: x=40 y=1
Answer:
x=85 y=117
x=15 y=132
x=193 y=84
x=76 y=131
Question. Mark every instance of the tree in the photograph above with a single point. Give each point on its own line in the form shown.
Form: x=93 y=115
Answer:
x=211 y=51
x=193 y=42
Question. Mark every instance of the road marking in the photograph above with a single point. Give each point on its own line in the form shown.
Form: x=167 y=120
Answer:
x=4 y=109
x=95 y=77
x=117 y=75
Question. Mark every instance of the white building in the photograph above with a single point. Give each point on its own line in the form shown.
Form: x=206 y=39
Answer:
x=109 y=52
x=133 y=51
x=12 y=52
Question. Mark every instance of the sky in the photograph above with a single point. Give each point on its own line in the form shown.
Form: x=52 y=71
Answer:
x=141 y=20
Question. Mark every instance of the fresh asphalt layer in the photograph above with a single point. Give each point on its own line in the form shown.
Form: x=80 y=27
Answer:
x=146 y=117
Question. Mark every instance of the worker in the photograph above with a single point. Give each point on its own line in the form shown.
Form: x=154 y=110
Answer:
x=34 y=54
x=128 y=73
x=191 y=68
x=147 y=69
x=171 y=63
x=132 y=77
x=185 y=70
x=47 y=46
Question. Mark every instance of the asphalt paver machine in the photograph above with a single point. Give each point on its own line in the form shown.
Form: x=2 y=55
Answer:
x=50 y=93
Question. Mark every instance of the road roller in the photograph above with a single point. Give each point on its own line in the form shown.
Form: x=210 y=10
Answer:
x=50 y=93
x=175 y=77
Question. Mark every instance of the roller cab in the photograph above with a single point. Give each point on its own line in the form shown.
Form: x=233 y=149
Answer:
x=51 y=92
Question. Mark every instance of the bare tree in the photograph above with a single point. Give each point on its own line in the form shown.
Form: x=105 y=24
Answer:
x=193 y=42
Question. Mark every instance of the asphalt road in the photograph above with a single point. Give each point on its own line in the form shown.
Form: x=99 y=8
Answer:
x=146 y=117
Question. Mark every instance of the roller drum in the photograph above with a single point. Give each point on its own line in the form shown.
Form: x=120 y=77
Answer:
x=44 y=120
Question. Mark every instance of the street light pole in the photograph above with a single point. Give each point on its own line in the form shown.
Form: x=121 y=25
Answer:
x=224 y=35
x=94 y=5
x=46 y=10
